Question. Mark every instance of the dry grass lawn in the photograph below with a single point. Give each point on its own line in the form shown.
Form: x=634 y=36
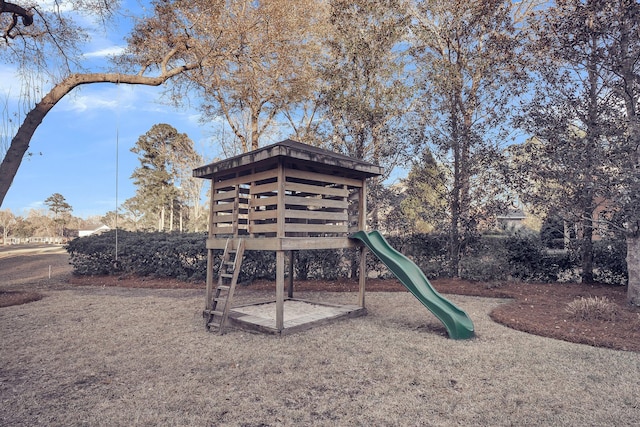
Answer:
x=117 y=356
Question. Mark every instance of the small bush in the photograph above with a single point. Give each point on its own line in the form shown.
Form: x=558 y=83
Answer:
x=609 y=261
x=592 y=308
x=482 y=269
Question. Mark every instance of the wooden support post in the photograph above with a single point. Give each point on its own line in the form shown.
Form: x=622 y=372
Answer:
x=362 y=225
x=280 y=255
x=362 y=275
x=292 y=257
x=209 y=295
x=279 y=290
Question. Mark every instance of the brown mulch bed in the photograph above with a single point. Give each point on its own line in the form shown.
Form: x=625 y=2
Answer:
x=9 y=298
x=540 y=309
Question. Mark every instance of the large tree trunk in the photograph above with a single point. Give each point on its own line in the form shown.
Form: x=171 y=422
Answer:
x=20 y=142
x=628 y=91
x=255 y=135
x=633 y=268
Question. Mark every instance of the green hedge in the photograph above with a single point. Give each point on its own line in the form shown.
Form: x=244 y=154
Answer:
x=489 y=258
x=180 y=256
x=521 y=257
x=184 y=257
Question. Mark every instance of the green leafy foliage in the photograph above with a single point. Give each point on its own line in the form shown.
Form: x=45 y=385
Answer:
x=180 y=256
x=323 y=264
x=609 y=261
x=489 y=258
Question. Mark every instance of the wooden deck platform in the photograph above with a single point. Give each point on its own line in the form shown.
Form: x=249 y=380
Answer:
x=299 y=315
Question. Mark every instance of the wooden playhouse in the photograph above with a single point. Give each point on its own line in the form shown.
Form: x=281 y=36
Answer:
x=283 y=198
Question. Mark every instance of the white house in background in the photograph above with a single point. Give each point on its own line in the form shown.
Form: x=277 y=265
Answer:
x=101 y=229
x=513 y=219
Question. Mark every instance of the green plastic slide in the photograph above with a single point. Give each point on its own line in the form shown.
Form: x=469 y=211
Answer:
x=459 y=325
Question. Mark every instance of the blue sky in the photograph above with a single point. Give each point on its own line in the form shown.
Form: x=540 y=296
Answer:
x=74 y=149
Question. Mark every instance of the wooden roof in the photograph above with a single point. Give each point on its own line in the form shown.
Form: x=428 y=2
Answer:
x=302 y=155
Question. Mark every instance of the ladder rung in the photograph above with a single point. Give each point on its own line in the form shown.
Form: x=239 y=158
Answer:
x=224 y=287
x=227 y=275
x=215 y=313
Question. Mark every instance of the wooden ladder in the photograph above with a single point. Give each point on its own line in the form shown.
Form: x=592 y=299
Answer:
x=218 y=310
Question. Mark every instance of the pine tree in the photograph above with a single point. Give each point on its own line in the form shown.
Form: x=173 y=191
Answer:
x=60 y=208
x=162 y=152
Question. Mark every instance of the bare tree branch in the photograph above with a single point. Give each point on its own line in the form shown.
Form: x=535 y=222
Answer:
x=20 y=143
x=16 y=12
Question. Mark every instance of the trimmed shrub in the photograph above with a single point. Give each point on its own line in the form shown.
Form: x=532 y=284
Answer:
x=180 y=256
x=184 y=257
x=488 y=258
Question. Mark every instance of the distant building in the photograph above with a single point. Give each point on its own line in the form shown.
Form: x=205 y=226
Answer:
x=512 y=220
x=98 y=230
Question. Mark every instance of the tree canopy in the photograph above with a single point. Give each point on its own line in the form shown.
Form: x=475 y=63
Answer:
x=380 y=81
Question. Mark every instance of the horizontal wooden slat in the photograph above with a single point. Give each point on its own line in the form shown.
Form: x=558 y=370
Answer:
x=230 y=218
x=264 y=188
x=263 y=228
x=330 y=179
x=287 y=243
x=315 y=201
x=316 y=189
x=243 y=187
x=294 y=243
x=222 y=230
x=259 y=176
x=262 y=215
x=315 y=228
x=224 y=195
x=264 y=201
x=221 y=207
x=222 y=223
x=322 y=215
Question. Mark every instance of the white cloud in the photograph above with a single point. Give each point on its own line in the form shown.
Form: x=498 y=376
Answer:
x=195 y=118
x=95 y=100
x=105 y=52
x=84 y=103
x=122 y=98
